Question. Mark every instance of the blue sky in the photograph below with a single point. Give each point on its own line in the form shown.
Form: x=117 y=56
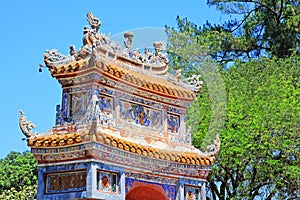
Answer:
x=28 y=28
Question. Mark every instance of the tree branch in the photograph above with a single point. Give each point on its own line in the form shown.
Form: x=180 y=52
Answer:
x=271 y=195
x=214 y=189
x=267 y=7
x=245 y=18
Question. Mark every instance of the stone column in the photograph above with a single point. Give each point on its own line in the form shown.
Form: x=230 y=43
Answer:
x=91 y=180
x=42 y=183
x=180 y=193
x=122 y=185
x=203 y=191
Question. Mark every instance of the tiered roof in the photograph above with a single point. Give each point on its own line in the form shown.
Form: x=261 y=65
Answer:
x=103 y=63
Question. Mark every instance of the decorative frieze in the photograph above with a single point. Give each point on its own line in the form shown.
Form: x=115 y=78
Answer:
x=72 y=181
x=105 y=153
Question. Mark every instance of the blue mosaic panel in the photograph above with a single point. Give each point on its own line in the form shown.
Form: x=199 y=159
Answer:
x=77 y=104
x=173 y=123
x=106 y=90
x=59 y=120
x=89 y=95
x=170 y=191
x=140 y=114
x=66 y=182
x=106 y=103
x=65 y=104
x=140 y=100
x=174 y=110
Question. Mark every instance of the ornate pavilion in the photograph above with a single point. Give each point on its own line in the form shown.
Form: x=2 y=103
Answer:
x=120 y=130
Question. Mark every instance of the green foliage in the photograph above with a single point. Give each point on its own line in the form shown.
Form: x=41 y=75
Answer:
x=187 y=55
x=260 y=141
x=18 y=175
x=271 y=25
x=263 y=123
x=259 y=28
x=26 y=193
x=259 y=156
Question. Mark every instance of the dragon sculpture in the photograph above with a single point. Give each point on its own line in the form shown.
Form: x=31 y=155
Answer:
x=194 y=82
x=26 y=126
x=94 y=22
x=215 y=147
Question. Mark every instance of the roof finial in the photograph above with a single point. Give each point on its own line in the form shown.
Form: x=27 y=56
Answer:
x=194 y=82
x=26 y=126
x=128 y=39
x=215 y=147
x=94 y=22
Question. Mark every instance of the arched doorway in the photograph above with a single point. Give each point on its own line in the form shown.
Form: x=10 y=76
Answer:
x=140 y=191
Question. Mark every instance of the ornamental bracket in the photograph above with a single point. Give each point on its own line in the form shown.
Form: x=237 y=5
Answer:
x=194 y=82
x=26 y=126
x=215 y=147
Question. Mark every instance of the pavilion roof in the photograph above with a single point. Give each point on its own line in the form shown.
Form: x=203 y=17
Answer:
x=75 y=138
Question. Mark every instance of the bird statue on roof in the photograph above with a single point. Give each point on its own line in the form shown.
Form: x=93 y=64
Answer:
x=94 y=22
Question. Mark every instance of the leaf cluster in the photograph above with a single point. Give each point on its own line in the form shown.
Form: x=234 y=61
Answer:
x=271 y=25
x=26 y=193
x=259 y=28
x=260 y=149
x=18 y=171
